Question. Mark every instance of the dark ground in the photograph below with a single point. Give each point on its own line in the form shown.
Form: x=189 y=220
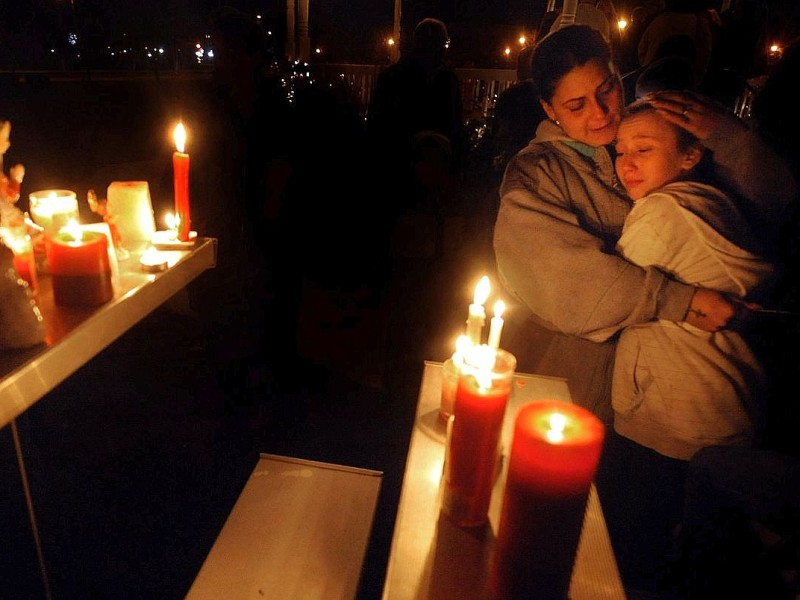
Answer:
x=136 y=460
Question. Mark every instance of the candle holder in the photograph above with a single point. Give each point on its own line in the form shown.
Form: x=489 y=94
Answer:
x=53 y=209
x=450 y=372
x=554 y=455
x=471 y=461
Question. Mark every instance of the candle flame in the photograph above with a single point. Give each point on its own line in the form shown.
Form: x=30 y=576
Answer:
x=480 y=362
x=482 y=290
x=557 y=424
x=499 y=308
x=73 y=229
x=172 y=220
x=462 y=344
x=179 y=136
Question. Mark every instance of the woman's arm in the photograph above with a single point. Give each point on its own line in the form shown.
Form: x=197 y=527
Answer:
x=565 y=274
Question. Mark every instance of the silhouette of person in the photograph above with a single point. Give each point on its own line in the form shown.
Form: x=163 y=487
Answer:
x=683 y=28
x=415 y=99
x=241 y=142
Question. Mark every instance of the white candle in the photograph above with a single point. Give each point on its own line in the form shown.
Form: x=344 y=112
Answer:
x=477 y=314
x=131 y=209
x=496 y=326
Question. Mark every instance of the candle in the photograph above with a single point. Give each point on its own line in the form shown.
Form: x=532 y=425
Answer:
x=130 y=209
x=79 y=267
x=554 y=455
x=25 y=264
x=171 y=220
x=18 y=240
x=450 y=372
x=180 y=168
x=477 y=314
x=52 y=209
x=496 y=325
x=113 y=255
x=153 y=261
x=471 y=464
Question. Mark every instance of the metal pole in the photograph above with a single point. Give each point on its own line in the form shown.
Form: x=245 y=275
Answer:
x=395 y=53
x=303 y=41
x=568 y=13
x=289 y=46
x=31 y=515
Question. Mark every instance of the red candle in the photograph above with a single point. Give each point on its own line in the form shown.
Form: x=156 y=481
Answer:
x=16 y=237
x=180 y=169
x=80 y=268
x=25 y=264
x=472 y=453
x=554 y=456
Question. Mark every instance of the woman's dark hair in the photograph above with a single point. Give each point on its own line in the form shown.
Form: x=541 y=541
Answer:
x=563 y=50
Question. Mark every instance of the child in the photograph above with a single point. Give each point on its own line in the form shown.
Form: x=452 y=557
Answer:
x=675 y=388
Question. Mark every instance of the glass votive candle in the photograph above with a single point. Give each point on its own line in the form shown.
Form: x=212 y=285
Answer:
x=52 y=209
x=554 y=454
x=450 y=371
x=471 y=461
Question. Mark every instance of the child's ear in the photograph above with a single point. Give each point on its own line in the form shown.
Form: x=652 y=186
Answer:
x=692 y=157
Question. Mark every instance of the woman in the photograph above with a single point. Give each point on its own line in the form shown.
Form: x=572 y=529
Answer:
x=562 y=209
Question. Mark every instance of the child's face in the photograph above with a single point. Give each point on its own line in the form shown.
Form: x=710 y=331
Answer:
x=648 y=156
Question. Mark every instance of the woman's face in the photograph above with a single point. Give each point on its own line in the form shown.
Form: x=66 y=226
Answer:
x=648 y=154
x=587 y=103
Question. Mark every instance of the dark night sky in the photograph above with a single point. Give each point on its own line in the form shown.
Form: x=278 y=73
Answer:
x=346 y=30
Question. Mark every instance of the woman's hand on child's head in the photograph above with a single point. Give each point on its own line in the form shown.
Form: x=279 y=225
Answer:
x=699 y=115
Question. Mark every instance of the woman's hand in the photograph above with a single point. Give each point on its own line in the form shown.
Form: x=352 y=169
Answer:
x=710 y=310
x=697 y=114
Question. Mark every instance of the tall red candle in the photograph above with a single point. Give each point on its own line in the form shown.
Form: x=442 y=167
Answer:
x=180 y=170
x=552 y=464
x=80 y=268
x=472 y=453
